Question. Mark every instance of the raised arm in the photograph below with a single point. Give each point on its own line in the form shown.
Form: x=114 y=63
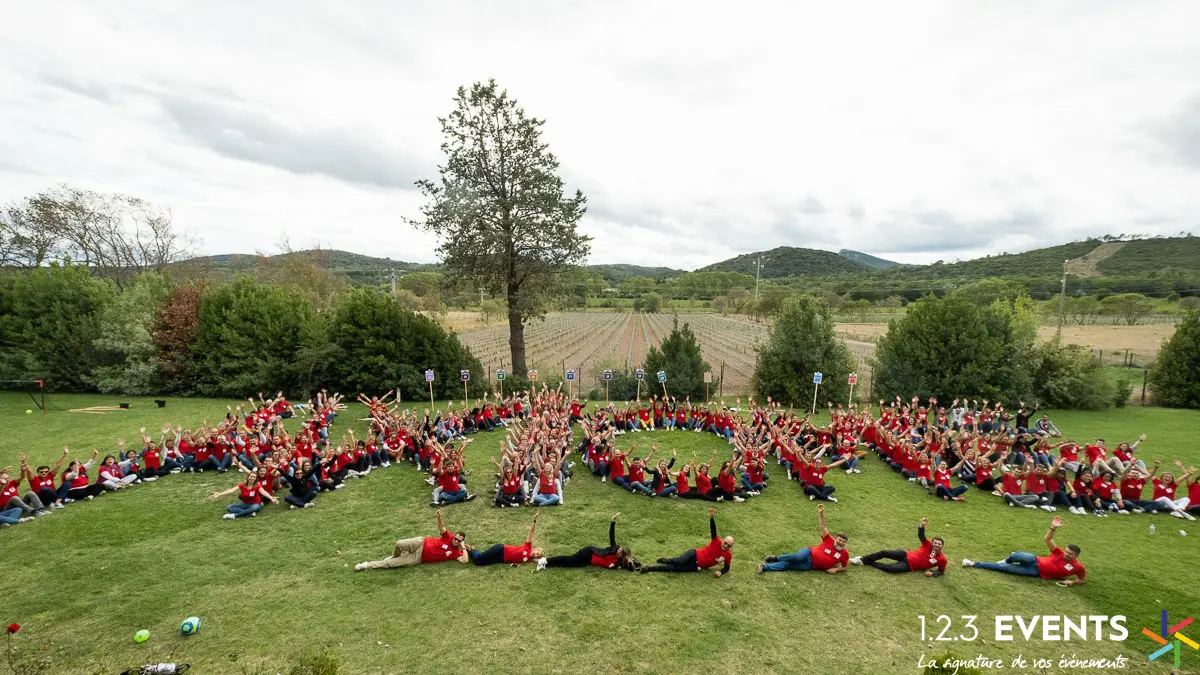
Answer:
x=612 y=531
x=533 y=527
x=821 y=520
x=712 y=523
x=440 y=525
x=1054 y=525
x=921 y=530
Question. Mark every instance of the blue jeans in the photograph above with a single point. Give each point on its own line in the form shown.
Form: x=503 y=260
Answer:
x=952 y=492
x=241 y=510
x=800 y=560
x=546 y=500
x=453 y=497
x=756 y=487
x=668 y=491
x=1019 y=563
x=851 y=463
x=11 y=516
x=641 y=487
x=623 y=482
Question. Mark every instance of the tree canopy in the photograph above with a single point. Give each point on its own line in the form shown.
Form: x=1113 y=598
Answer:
x=498 y=208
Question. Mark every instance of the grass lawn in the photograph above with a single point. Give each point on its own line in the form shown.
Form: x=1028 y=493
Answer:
x=275 y=587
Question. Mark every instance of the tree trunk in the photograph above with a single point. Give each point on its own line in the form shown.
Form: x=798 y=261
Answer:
x=516 y=340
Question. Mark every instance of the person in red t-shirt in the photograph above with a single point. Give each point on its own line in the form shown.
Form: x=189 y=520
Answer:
x=718 y=550
x=504 y=553
x=1060 y=565
x=924 y=559
x=611 y=558
x=251 y=494
x=445 y=547
x=42 y=482
x=830 y=556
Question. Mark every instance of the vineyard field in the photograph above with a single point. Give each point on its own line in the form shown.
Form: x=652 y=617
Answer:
x=590 y=342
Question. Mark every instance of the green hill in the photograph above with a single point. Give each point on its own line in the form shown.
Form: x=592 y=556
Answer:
x=788 y=261
x=870 y=260
x=1042 y=262
x=363 y=270
x=1146 y=257
x=615 y=274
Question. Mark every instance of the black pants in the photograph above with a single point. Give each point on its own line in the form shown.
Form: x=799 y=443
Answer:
x=822 y=493
x=988 y=484
x=580 y=558
x=300 y=500
x=710 y=496
x=503 y=499
x=899 y=557
x=91 y=490
x=683 y=563
x=492 y=556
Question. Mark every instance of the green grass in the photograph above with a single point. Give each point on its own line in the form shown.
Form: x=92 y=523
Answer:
x=281 y=585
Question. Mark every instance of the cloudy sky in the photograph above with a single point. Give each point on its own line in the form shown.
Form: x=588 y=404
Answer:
x=913 y=130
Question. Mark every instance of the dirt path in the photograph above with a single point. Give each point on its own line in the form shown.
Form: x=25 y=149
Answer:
x=1087 y=265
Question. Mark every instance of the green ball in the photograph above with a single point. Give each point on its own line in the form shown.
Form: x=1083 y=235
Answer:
x=28 y=412
x=141 y=636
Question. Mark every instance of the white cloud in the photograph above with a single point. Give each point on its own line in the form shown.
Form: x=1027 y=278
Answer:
x=920 y=131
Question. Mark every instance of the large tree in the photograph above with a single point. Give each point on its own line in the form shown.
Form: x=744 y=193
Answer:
x=800 y=343
x=1175 y=376
x=499 y=208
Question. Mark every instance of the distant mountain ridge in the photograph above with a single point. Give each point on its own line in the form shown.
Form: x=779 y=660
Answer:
x=789 y=261
x=870 y=260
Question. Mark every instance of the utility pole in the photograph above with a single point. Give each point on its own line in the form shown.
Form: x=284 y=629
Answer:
x=393 y=282
x=1062 y=295
x=757 y=275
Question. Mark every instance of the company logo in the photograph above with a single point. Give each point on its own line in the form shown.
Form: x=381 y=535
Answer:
x=1169 y=645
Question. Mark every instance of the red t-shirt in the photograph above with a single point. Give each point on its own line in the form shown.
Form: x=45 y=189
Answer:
x=712 y=555
x=152 y=459
x=681 y=483
x=1035 y=483
x=941 y=478
x=1132 y=489
x=1054 y=566
x=703 y=483
x=923 y=558
x=727 y=482
x=250 y=495
x=826 y=556
x=609 y=561
x=616 y=469
x=1010 y=484
x=440 y=549
x=1162 y=489
x=510 y=486
x=38 y=483
x=10 y=490
x=448 y=481
x=1194 y=492
x=518 y=554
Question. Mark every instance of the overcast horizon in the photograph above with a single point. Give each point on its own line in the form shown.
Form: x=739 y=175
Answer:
x=914 y=132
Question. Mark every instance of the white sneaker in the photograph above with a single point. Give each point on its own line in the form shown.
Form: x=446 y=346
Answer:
x=150 y=479
x=309 y=505
x=754 y=493
x=603 y=479
x=738 y=499
x=254 y=515
x=1047 y=508
x=339 y=486
x=430 y=480
x=227 y=516
x=41 y=513
x=90 y=497
x=541 y=564
x=1123 y=512
x=1177 y=514
x=360 y=567
x=1188 y=515
x=26 y=519
x=856 y=560
x=812 y=498
x=833 y=499
x=721 y=498
x=293 y=506
x=1031 y=506
x=968 y=562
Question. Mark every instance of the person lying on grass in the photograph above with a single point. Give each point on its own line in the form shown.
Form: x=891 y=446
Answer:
x=718 y=550
x=927 y=558
x=504 y=553
x=612 y=557
x=830 y=556
x=1059 y=566
x=445 y=547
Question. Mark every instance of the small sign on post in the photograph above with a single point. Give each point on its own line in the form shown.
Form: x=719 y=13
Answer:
x=466 y=377
x=607 y=375
x=853 y=380
x=429 y=381
x=570 y=375
x=639 y=375
x=532 y=376
x=816 y=387
x=662 y=379
x=500 y=380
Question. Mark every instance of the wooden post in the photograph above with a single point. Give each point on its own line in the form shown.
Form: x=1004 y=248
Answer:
x=1145 y=371
x=431 y=395
x=721 y=384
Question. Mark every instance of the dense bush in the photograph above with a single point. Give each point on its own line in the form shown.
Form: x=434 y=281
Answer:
x=377 y=345
x=1175 y=376
x=948 y=347
x=678 y=356
x=801 y=342
x=50 y=318
x=1067 y=376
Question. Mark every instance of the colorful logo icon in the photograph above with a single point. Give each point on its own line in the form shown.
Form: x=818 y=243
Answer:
x=1168 y=632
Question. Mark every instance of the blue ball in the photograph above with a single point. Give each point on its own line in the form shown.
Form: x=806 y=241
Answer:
x=190 y=625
